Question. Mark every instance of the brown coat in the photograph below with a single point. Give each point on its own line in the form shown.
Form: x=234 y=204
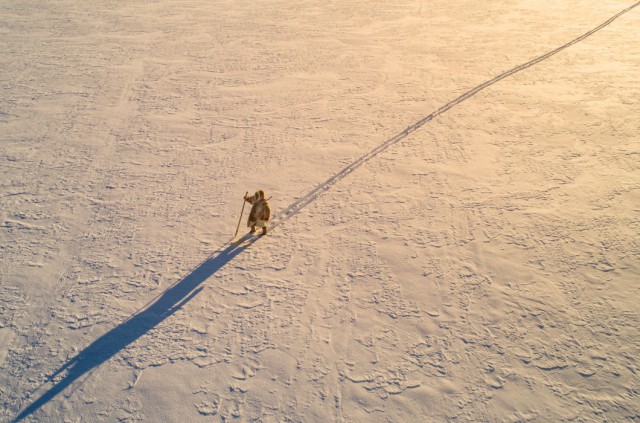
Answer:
x=260 y=211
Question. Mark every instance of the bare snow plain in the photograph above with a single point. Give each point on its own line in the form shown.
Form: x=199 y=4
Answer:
x=478 y=264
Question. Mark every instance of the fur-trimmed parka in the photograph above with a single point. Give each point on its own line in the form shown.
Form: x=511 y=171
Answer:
x=260 y=211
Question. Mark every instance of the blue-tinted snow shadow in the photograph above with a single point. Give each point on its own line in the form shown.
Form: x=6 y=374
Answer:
x=184 y=290
x=140 y=323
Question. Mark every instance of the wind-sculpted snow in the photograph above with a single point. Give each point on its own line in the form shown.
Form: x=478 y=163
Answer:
x=139 y=324
x=313 y=194
x=479 y=263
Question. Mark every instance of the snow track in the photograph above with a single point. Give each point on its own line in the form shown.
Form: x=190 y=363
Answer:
x=484 y=269
x=313 y=194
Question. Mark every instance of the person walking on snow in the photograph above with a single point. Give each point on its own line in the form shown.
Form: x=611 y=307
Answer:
x=260 y=211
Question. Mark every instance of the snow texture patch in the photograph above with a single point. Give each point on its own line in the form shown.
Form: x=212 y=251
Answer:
x=454 y=199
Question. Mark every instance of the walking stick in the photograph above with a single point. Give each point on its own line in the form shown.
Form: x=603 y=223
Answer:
x=240 y=220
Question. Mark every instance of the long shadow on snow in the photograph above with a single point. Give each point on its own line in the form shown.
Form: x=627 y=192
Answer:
x=147 y=318
x=179 y=294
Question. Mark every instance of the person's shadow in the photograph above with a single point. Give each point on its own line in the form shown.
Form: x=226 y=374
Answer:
x=114 y=341
x=185 y=289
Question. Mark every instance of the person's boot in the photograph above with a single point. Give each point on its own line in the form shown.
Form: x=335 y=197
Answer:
x=264 y=230
x=253 y=229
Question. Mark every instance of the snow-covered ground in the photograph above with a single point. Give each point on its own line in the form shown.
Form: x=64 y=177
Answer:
x=426 y=262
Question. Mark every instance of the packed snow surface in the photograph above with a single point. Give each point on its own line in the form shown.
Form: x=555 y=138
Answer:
x=455 y=197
